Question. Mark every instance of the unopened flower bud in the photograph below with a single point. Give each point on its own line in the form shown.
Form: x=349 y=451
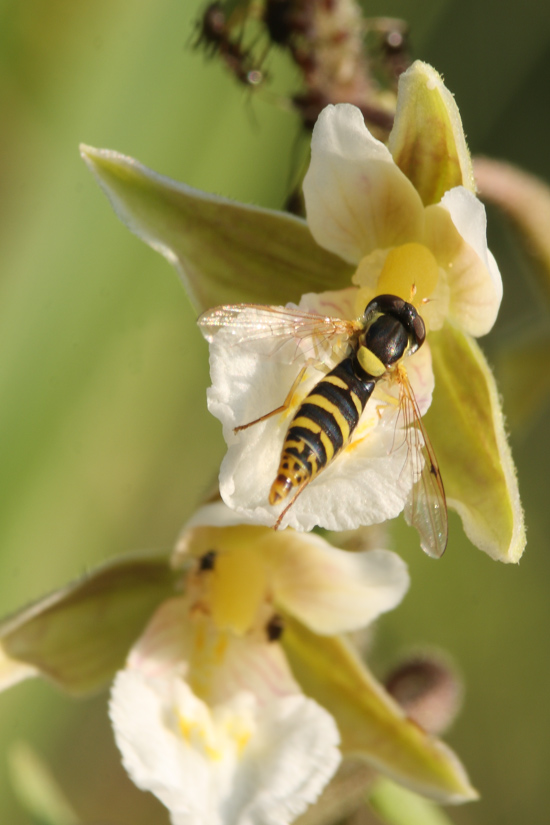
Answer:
x=428 y=690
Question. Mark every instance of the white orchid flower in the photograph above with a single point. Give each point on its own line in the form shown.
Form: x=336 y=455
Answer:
x=207 y=713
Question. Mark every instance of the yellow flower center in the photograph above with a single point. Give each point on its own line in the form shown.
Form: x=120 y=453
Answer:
x=410 y=271
x=215 y=732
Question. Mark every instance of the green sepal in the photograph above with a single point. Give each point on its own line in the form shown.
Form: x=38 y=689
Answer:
x=427 y=141
x=395 y=805
x=466 y=427
x=225 y=252
x=371 y=724
x=80 y=635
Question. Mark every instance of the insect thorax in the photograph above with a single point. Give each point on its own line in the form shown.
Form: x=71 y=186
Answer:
x=387 y=339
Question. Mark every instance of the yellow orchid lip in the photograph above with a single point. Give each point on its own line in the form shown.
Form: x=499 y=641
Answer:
x=410 y=271
x=254 y=571
x=239 y=585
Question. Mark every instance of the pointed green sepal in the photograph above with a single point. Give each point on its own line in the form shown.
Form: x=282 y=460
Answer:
x=427 y=141
x=13 y=671
x=466 y=427
x=79 y=636
x=225 y=252
x=395 y=805
x=371 y=724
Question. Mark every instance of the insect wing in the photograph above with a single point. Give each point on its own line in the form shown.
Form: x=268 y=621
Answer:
x=426 y=507
x=287 y=333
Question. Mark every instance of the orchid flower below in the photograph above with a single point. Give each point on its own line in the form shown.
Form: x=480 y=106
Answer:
x=240 y=695
x=207 y=712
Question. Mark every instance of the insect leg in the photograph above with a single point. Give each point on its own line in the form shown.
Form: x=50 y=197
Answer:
x=286 y=403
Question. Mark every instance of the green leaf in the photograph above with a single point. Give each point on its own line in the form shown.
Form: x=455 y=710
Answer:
x=466 y=426
x=80 y=635
x=398 y=806
x=427 y=141
x=37 y=789
x=225 y=252
x=371 y=724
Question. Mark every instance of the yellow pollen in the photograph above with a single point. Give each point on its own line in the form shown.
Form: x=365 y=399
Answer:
x=185 y=726
x=242 y=742
x=410 y=271
x=238 y=730
x=195 y=734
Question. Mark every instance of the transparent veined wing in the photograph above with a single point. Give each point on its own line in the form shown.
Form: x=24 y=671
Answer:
x=286 y=332
x=426 y=506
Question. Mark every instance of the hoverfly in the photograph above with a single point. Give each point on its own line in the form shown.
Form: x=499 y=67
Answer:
x=325 y=420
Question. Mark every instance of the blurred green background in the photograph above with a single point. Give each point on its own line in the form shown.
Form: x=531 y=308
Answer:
x=105 y=444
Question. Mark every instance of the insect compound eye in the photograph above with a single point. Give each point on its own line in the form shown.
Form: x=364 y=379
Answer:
x=419 y=329
x=207 y=561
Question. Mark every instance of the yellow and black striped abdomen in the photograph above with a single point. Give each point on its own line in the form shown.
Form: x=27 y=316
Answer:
x=322 y=426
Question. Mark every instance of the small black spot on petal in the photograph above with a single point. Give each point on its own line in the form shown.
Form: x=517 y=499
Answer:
x=275 y=627
x=207 y=561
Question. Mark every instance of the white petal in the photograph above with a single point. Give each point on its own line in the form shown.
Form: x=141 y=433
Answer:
x=205 y=770
x=336 y=303
x=357 y=199
x=363 y=485
x=421 y=377
x=469 y=217
x=167 y=641
x=156 y=758
x=330 y=590
x=461 y=247
x=292 y=758
x=257 y=666
x=230 y=663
